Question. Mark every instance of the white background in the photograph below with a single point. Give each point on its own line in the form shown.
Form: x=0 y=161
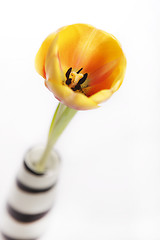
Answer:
x=110 y=178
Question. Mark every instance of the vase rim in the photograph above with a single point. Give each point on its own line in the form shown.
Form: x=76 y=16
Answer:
x=34 y=153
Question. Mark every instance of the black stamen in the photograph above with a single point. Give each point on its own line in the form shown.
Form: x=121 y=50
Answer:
x=68 y=81
x=79 y=70
x=77 y=87
x=68 y=72
x=83 y=79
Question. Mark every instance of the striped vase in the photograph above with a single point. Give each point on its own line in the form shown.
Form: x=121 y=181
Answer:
x=31 y=198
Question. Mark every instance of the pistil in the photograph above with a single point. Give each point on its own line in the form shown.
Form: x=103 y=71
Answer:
x=75 y=78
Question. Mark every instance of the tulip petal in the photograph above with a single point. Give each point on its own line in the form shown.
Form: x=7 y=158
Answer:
x=41 y=55
x=98 y=52
x=70 y=98
x=81 y=102
x=82 y=45
x=53 y=68
x=105 y=49
x=106 y=79
x=101 y=96
x=74 y=44
x=119 y=75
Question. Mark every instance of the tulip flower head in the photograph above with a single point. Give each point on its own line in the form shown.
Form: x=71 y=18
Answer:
x=82 y=66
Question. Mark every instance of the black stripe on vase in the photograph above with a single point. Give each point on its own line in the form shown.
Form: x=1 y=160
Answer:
x=10 y=238
x=32 y=171
x=25 y=218
x=33 y=190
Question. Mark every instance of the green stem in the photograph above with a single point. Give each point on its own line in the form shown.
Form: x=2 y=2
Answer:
x=61 y=118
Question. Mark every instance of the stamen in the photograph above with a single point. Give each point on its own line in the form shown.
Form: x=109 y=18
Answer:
x=79 y=70
x=68 y=81
x=83 y=79
x=68 y=72
x=77 y=87
x=75 y=79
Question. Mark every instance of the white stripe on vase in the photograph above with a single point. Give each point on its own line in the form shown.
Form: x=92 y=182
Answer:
x=33 y=190
x=26 y=202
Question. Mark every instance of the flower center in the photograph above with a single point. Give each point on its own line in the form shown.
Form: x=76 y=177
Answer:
x=75 y=79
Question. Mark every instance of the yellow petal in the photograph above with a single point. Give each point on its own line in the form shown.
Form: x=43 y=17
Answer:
x=81 y=102
x=70 y=98
x=52 y=64
x=101 y=96
x=119 y=75
x=41 y=55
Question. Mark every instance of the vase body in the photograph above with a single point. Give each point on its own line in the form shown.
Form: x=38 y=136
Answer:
x=31 y=198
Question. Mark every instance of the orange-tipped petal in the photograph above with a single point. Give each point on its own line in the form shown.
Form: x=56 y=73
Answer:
x=105 y=49
x=41 y=55
x=74 y=44
x=99 y=53
x=88 y=47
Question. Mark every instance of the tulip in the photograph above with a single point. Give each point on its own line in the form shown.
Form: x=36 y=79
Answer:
x=82 y=66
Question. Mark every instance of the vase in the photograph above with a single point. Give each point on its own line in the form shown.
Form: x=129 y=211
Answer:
x=31 y=198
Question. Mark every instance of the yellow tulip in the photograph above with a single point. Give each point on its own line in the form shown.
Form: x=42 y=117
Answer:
x=82 y=66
